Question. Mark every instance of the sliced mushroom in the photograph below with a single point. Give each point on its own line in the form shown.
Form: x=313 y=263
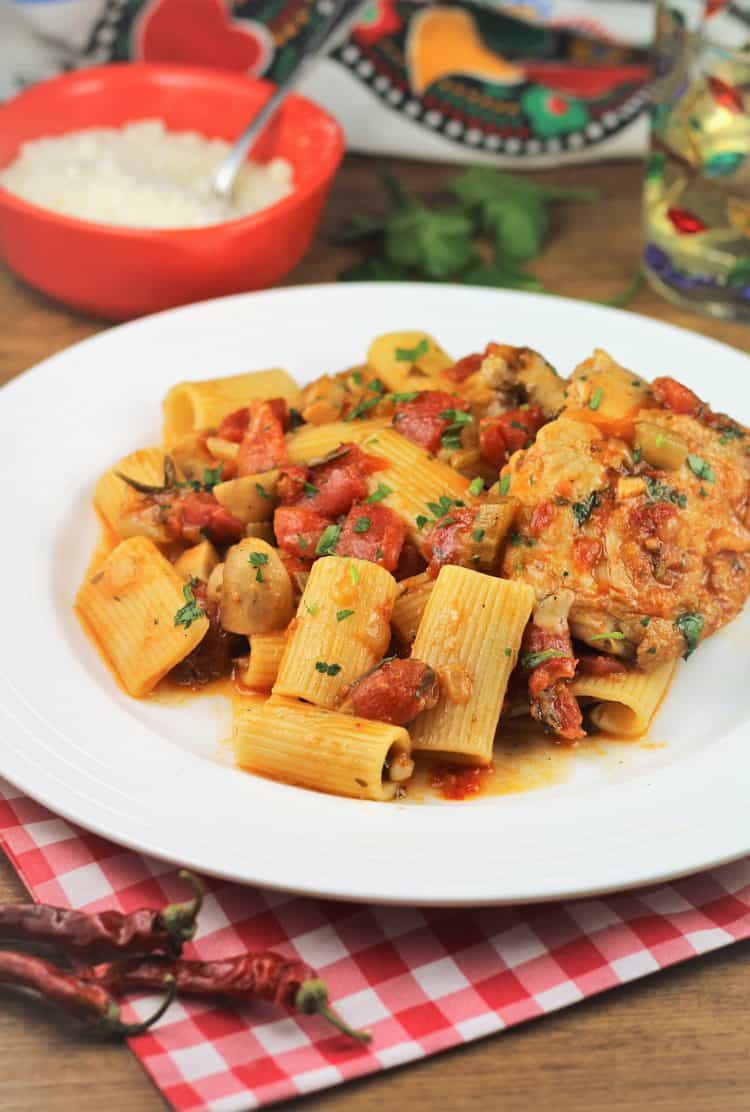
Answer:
x=197 y=562
x=250 y=498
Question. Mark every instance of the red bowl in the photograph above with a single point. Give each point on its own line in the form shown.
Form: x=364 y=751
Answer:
x=118 y=272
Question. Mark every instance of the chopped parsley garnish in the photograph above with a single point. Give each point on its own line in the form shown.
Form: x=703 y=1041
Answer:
x=596 y=398
x=703 y=492
x=533 y=660
x=637 y=453
x=700 y=468
x=212 y=476
x=354 y=573
x=376 y=386
x=295 y=418
x=476 y=486
x=262 y=490
x=362 y=524
x=357 y=378
x=408 y=396
x=509 y=652
x=582 y=511
x=691 y=628
x=442 y=506
x=191 y=611
x=451 y=438
x=361 y=408
x=301 y=542
x=420 y=521
x=326 y=546
x=327 y=669
x=410 y=355
x=729 y=433
x=518 y=425
x=503 y=484
x=258 y=560
x=477 y=536
x=613 y=635
x=516 y=540
x=342 y=615
x=381 y=491
x=313 y=609
x=660 y=492
x=645 y=622
x=378 y=553
x=309 y=490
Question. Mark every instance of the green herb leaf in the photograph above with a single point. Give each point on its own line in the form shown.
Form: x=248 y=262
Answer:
x=503 y=484
x=476 y=486
x=614 y=635
x=645 y=622
x=326 y=546
x=312 y=609
x=359 y=228
x=501 y=276
x=372 y=270
x=262 y=490
x=362 y=407
x=624 y=297
x=530 y=661
x=381 y=491
x=212 y=476
x=408 y=396
x=327 y=669
x=362 y=524
x=596 y=398
x=730 y=433
x=701 y=468
x=411 y=355
x=477 y=536
x=420 y=521
x=342 y=615
x=191 y=611
x=436 y=244
x=354 y=574
x=301 y=542
x=309 y=490
x=258 y=560
x=660 y=492
x=691 y=628
x=582 y=510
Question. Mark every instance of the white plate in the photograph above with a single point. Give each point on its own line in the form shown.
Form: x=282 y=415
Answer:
x=148 y=775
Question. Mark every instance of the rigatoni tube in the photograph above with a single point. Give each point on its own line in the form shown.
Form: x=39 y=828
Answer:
x=341 y=630
x=322 y=749
x=628 y=701
x=470 y=634
x=266 y=651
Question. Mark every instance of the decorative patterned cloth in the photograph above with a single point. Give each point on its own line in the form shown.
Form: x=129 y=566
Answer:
x=506 y=81
x=422 y=980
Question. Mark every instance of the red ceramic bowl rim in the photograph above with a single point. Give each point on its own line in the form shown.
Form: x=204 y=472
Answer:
x=325 y=170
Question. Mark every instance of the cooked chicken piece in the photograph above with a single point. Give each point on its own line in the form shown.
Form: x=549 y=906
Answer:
x=512 y=376
x=640 y=547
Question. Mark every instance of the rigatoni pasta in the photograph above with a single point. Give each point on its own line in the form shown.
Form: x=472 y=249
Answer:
x=266 y=651
x=132 y=607
x=470 y=634
x=112 y=493
x=627 y=701
x=202 y=405
x=322 y=749
x=315 y=441
x=341 y=630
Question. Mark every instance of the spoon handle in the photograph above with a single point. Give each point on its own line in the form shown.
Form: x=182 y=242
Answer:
x=226 y=172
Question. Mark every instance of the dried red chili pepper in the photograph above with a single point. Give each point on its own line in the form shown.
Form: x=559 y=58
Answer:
x=246 y=977
x=83 y=999
x=87 y=934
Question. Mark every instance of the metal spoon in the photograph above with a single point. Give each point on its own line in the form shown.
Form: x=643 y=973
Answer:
x=341 y=11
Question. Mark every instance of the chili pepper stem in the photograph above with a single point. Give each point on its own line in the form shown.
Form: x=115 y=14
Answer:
x=111 y=1024
x=312 y=999
x=181 y=919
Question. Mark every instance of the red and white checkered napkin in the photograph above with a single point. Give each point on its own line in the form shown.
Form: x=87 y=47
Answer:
x=421 y=980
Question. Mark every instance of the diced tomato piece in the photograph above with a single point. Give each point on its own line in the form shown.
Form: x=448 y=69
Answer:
x=459 y=781
x=396 y=692
x=599 y=664
x=647 y=519
x=263 y=446
x=280 y=410
x=291 y=485
x=293 y=563
x=461 y=370
x=500 y=436
x=449 y=540
x=587 y=552
x=298 y=530
x=339 y=484
x=234 y=425
x=420 y=420
x=372 y=532
x=541 y=518
x=554 y=668
x=202 y=512
x=673 y=395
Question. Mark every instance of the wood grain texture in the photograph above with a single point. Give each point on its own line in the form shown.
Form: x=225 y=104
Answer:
x=677 y=1042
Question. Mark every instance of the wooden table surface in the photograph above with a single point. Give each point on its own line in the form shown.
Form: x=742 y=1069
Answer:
x=676 y=1042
